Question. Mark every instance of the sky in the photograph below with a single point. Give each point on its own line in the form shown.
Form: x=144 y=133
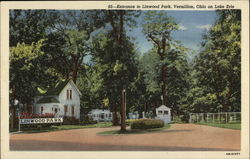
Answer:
x=193 y=24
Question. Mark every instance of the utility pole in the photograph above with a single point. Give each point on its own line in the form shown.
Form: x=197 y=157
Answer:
x=123 y=115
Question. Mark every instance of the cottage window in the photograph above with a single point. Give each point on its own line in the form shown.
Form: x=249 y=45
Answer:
x=67 y=94
x=165 y=112
x=70 y=94
x=160 y=112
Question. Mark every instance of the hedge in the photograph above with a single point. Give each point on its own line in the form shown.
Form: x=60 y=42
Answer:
x=70 y=120
x=147 y=124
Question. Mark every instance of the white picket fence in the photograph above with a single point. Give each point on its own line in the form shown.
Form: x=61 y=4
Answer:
x=221 y=117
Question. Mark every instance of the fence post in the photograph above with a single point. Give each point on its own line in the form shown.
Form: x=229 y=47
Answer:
x=226 y=117
x=213 y=117
x=207 y=117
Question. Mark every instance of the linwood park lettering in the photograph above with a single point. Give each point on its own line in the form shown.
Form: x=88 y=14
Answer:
x=41 y=120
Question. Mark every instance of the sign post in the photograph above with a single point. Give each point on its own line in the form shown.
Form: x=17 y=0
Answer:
x=19 y=127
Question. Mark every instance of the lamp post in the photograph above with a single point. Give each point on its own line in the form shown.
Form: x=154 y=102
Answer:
x=16 y=104
x=123 y=115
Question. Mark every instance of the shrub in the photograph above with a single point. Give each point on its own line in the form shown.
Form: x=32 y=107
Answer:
x=70 y=120
x=149 y=114
x=31 y=115
x=88 y=120
x=130 y=121
x=147 y=124
x=184 y=118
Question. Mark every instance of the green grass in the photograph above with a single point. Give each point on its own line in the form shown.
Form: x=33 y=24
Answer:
x=129 y=131
x=67 y=127
x=235 y=125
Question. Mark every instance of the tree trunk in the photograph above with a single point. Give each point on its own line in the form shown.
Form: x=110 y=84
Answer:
x=115 y=118
x=164 y=79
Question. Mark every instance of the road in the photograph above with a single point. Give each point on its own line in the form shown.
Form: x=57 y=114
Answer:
x=179 y=137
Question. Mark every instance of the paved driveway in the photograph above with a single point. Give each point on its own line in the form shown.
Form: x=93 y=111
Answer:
x=180 y=137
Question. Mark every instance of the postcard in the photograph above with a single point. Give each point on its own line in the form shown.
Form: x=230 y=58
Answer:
x=125 y=79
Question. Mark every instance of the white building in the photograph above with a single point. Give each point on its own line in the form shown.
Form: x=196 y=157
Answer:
x=163 y=113
x=134 y=115
x=62 y=100
x=100 y=115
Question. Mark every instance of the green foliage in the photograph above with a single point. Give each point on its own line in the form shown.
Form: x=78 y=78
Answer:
x=157 y=25
x=70 y=121
x=27 y=71
x=217 y=83
x=147 y=124
x=115 y=65
x=236 y=126
x=130 y=121
x=87 y=120
x=28 y=26
x=47 y=46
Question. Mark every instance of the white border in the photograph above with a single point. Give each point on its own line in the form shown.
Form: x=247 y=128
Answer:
x=6 y=154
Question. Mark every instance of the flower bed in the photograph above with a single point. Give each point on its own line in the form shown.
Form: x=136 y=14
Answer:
x=70 y=120
x=130 y=121
x=31 y=115
x=147 y=124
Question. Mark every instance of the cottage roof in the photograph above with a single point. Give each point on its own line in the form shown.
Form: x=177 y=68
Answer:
x=57 y=89
x=163 y=107
x=48 y=100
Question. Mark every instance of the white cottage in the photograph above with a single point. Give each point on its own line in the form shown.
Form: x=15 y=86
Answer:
x=62 y=100
x=163 y=113
x=100 y=115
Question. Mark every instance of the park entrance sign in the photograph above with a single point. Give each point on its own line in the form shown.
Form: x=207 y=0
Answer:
x=41 y=120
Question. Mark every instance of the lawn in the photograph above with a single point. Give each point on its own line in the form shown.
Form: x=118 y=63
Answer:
x=67 y=127
x=129 y=131
x=235 y=125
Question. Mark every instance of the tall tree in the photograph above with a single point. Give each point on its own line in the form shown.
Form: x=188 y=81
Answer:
x=218 y=65
x=75 y=29
x=28 y=69
x=28 y=26
x=27 y=73
x=118 y=70
x=157 y=28
x=121 y=66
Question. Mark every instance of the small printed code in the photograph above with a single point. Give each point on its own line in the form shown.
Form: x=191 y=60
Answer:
x=233 y=153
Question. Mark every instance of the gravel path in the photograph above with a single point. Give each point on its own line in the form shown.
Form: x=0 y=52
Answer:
x=179 y=137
